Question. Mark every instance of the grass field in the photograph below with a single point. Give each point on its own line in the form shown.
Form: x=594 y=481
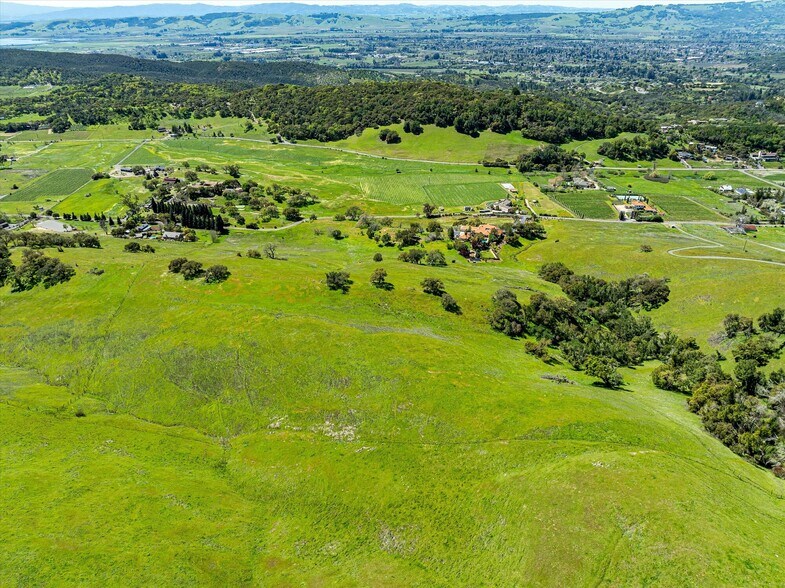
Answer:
x=144 y=156
x=338 y=179
x=540 y=203
x=439 y=144
x=343 y=179
x=56 y=183
x=684 y=208
x=684 y=198
x=463 y=194
x=100 y=196
x=267 y=430
x=21 y=92
x=589 y=149
x=586 y=203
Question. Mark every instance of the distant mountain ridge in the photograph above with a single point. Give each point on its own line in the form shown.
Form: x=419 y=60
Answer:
x=11 y=11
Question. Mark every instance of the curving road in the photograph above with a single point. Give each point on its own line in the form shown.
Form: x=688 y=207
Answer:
x=714 y=245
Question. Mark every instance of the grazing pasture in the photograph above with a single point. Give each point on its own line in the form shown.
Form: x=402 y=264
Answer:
x=222 y=414
x=441 y=144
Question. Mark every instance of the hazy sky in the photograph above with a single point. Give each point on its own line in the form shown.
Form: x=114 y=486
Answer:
x=582 y=3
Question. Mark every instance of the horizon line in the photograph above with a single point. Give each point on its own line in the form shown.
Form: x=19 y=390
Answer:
x=584 y=4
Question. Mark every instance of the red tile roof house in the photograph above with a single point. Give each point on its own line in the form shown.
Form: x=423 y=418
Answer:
x=640 y=205
x=465 y=232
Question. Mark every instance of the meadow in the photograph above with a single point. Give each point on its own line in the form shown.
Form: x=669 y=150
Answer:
x=339 y=179
x=440 y=144
x=589 y=149
x=268 y=430
x=539 y=202
x=376 y=182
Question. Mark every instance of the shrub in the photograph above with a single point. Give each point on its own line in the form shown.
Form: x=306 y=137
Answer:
x=338 y=281
x=435 y=258
x=177 y=264
x=432 y=286
x=191 y=270
x=450 y=304
x=604 y=369
x=379 y=277
x=216 y=273
x=254 y=254
x=132 y=247
x=292 y=214
x=354 y=213
x=377 y=257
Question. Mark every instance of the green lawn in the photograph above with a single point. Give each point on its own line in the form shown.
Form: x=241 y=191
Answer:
x=267 y=430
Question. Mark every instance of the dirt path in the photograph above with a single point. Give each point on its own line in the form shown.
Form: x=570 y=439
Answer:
x=762 y=178
x=135 y=149
x=714 y=245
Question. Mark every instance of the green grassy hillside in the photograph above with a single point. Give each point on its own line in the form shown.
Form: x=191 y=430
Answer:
x=270 y=431
x=439 y=144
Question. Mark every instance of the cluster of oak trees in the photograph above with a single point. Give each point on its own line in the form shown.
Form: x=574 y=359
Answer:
x=36 y=268
x=745 y=409
x=328 y=113
x=598 y=326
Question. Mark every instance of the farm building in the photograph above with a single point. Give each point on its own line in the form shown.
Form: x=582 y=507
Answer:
x=510 y=188
x=765 y=156
x=740 y=229
x=582 y=184
x=172 y=236
x=504 y=206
